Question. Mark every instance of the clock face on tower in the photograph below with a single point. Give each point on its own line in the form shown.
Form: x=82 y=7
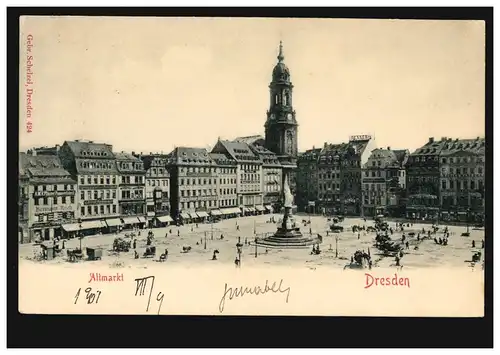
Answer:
x=272 y=116
x=289 y=116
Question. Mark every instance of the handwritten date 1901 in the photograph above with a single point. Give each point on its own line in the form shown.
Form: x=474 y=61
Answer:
x=140 y=288
x=91 y=297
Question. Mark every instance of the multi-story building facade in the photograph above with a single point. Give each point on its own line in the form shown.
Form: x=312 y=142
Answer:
x=47 y=197
x=193 y=184
x=383 y=182
x=462 y=179
x=93 y=166
x=356 y=155
x=423 y=180
x=249 y=174
x=226 y=184
x=329 y=168
x=307 y=180
x=157 y=189
x=272 y=173
x=131 y=189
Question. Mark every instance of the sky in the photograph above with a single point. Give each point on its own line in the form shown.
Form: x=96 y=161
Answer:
x=151 y=84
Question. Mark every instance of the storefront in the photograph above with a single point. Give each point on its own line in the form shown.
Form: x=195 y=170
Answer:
x=85 y=228
x=202 y=215
x=231 y=212
x=185 y=218
x=260 y=209
x=215 y=215
x=163 y=221
x=114 y=225
x=130 y=222
x=142 y=222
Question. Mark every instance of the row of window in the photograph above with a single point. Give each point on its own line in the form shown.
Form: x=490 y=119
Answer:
x=132 y=179
x=98 y=180
x=163 y=194
x=130 y=166
x=249 y=177
x=198 y=204
x=329 y=176
x=97 y=210
x=250 y=188
x=54 y=188
x=150 y=182
x=271 y=188
x=463 y=171
x=328 y=185
x=199 y=192
x=53 y=201
x=94 y=195
x=462 y=184
x=138 y=194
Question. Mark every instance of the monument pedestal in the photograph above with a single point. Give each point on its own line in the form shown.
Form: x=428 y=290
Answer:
x=288 y=235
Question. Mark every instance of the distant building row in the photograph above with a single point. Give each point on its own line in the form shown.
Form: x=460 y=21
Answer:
x=85 y=187
x=443 y=179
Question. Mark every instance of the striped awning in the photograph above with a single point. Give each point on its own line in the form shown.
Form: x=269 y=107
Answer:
x=215 y=212
x=260 y=208
x=226 y=210
x=165 y=219
x=130 y=220
x=141 y=219
x=93 y=224
x=185 y=215
x=202 y=214
x=269 y=208
x=112 y=222
x=251 y=209
x=193 y=214
x=235 y=210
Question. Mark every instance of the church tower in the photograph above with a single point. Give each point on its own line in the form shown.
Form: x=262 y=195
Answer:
x=281 y=125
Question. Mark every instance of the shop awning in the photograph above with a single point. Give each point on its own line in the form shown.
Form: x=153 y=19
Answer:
x=93 y=224
x=113 y=222
x=215 y=212
x=260 y=208
x=202 y=214
x=151 y=214
x=269 y=208
x=235 y=210
x=71 y=227
x=141 y=219
x=251 y=209
x=165 y=219
x=226 y=210
x=130 y=220
x=193 y=214
x=185 y=215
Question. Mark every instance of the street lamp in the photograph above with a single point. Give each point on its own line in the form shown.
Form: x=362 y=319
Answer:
x=80 y=232
x=205 y=247
x=336 y=246
x=256 y=246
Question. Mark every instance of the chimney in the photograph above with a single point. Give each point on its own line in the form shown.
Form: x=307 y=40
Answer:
x=388 y=148
x=91 y=141
x=133 y=153
x=431 y=139
x=325 y=145
x=77 y=140
x=444 y=138
x=314 y=147
x=33 y=152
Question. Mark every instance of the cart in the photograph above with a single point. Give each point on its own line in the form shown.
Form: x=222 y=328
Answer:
x=94 y=253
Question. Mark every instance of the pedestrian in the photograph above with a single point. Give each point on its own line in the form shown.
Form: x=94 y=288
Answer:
x=358 y=235
x=178 y=232
x=482 y=244
x=237 y=228
x=473 y=243
x=407 y=245
x=134 y=243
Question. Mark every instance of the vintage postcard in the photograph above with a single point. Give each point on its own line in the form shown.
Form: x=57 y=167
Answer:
x=251 y=166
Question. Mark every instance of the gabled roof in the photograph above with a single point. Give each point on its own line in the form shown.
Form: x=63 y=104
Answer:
x=90 y=150
x=43 y=167
x=222 y=159
x=239 y=151
x=190 y=156
x=251 y=140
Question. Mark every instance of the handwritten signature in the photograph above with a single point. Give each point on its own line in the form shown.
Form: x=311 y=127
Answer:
x=255 y=290
x=140 y=289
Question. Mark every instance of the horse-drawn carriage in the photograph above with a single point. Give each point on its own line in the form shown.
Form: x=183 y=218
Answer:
x=360 y=260
x=120 y=244
x=336 y=229
x=74 y=255
x=186 y=249
x=384 y=243
x=149 y=252
x=94 y=253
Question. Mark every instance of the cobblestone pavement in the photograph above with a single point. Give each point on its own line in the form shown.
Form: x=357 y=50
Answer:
x=429 y=254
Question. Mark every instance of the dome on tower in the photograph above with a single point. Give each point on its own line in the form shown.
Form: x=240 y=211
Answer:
x=281 y=71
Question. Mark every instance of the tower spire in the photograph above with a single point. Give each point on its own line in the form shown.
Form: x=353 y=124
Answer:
x=281 y=56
